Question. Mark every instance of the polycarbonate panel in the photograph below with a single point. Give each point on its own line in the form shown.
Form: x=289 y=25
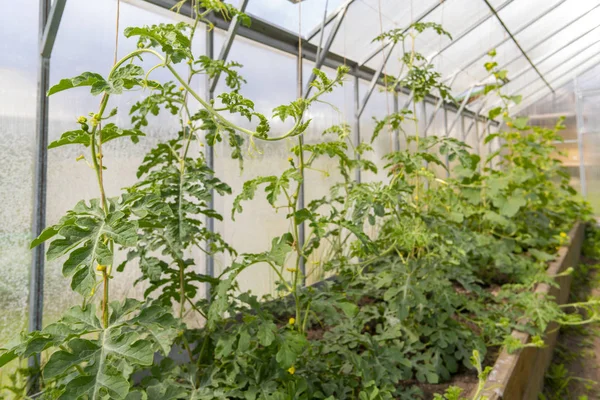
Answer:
x=519 y=15
x=18 y=74
x=380 y=104
x=365 y=20
x=70 y=180
x=560 y=17
x=470 y=48
x=568 y=37
x=336 y=108
x=286 y=14
x=553 y=67
x=254 y=229
x=591 y=147
x=451 y=15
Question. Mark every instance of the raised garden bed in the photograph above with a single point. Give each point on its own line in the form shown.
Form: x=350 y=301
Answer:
x=520 y=375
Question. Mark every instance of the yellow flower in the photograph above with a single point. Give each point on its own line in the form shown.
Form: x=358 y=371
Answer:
x=292 y=270
x=563 y=235
x=292 y=321
x=82 y=120
x=290 y=159
x=291 y=370
x=181 y=88
x=81 y=157
x=101 y=267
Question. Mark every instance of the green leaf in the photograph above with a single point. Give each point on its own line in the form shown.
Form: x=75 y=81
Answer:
x=85 y=79
x=292 y=345
x=520 y=122
x=83 y=234
x=266 y=333
x=61 y=361
x=350 y=309
x=111 y=132
x=494 y=112
x=72 y=137
x=512 y=205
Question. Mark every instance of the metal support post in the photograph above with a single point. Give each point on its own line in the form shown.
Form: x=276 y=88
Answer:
x=356 y=136
x=210 y=161
x=580 y=132
x=396 y=141
x=49 y=22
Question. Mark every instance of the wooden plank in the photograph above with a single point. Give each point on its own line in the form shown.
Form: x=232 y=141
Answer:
x=520 y=376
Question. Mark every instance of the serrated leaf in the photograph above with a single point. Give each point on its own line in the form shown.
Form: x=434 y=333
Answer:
x=266 y=333
x=85 y=79
x=72 y=137
x=292 y=345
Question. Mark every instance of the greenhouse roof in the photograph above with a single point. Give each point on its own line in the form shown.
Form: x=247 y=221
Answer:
x=542 y=43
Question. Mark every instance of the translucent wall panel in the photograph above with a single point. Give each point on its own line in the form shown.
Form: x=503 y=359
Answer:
x=254 y=229
x=591 y=145
x=380 y=104
x=337 y=108
x=68 y=180
x=18 y=74
x=286 y=14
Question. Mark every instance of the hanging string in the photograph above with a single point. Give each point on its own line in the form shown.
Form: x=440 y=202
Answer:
x=385 y=81
x=117 y=30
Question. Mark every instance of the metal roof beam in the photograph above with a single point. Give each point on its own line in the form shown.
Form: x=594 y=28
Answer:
x=516 y=42
x=328 y=20
x=556 y=32
x=419 y=18
x=286 y=41
x=51 y=29
x=373 y=83
x=231 y=32
x=322 y=52
x=516 y=91
x=524 y=70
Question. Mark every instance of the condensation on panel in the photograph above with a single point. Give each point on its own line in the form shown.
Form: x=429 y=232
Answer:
x=70 y=180
x=271 y=81
x=18 y=74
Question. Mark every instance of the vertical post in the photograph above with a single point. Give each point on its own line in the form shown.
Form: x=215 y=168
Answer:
x=301 y=200
x=424 y=117
x=210 y=159
x=36 y=278
x=463 y=134
x=396 y=141
x=580 y=132
x=446 y=134
x=356 y=136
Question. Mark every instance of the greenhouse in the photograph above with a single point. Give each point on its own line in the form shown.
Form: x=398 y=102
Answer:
x=300 y=199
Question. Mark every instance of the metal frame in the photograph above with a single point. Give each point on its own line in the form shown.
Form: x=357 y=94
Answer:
x=419 y=19
x=49 y=22
x=322 y=52
x=580 y=131
x=210 y=156
x=555 y=80
x=556 y=32
x=510 y=34
x=328 y=20
x=277 y=38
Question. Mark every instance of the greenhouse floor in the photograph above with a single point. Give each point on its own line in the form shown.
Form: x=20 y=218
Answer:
x=575 y=369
